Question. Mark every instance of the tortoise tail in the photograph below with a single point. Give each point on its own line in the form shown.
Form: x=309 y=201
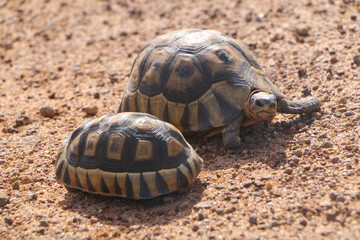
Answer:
x=306 y=105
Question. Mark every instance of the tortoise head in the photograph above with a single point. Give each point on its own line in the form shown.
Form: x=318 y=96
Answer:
x=261 y=106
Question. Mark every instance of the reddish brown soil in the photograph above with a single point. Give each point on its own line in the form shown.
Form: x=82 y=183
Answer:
x=297 y=177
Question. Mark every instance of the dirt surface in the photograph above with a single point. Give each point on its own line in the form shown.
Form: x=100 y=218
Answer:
x=297 y=177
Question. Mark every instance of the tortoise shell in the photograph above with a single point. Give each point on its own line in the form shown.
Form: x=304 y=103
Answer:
x=194 y=79
x=132 y=155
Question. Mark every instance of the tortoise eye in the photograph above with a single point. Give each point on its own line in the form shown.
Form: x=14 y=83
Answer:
x=259 y=103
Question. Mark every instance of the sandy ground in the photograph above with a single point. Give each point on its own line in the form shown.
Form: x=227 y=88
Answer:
x=297 y=178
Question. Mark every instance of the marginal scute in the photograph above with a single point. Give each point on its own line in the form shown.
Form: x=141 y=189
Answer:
x=157 y=105
x=121 y=179
x=91 y=143
x=186 y=172
x=193 y=115
x=81 y=173
x=71 y=171
x=115 y=146
x=142 y=102
x=213 y=108
x=169 y=176
x=176 y=111
x=95 y=179
x=135 y=182
x=144 y=150
x=109 y=179
x=150 y=179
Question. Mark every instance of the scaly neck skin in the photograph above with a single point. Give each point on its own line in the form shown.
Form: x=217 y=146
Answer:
x=302 y=106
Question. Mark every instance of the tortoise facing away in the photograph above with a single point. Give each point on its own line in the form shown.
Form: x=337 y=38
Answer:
x=200 y=80
x=132 y=155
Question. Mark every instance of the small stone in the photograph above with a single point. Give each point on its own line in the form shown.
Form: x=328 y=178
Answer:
x=357 y=60
x=51 y=96
x=94 y=219
x=302 y=30
x=323 y=135
x=47 y=111
x=202 y=205
x=349 y=113
x=303 y=222
x=195 y=228
x=200 y=216
x=357 y=195
x=288 y=171
x=333 y=60
x=253 y=219
x=331 y=216
x=333 y=196
x=16 y=185
x=335 y=160
x=328 y=145
x=90 y=110
x=274 y=224
x=219 y=211
x=248 y=184
x=44 y=223
x=340 y=198
x=4 y=200
x=302 y=72
x=353 y=17
x=298 y=152
x=8 y=221
x=268 y=186
x=40 y=230
x=97 y=95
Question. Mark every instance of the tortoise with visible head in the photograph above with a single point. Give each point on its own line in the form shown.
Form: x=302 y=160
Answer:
x=200 y=80
x=133 y=155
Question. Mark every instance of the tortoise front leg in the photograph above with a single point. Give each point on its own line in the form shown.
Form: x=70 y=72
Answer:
x=231 y=133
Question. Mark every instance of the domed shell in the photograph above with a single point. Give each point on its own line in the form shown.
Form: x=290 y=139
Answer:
x=133 y=155
x=194 y=79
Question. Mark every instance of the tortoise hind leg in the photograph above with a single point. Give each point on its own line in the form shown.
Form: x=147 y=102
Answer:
x=231 y=133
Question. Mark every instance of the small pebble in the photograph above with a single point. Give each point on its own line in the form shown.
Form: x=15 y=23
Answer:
x=303 y=222
x=288 y=171
x=40 y=230
x=219 y=211
x=16 y=185
x=328 y=145
x=90 y=110
x=335 y=160
x=8 y=221
x=302 y=30
x=274 y=224
x=331 y=216
x=195 y=228
x=253 y=219
x=202 y=205
x=340 y=198
x=44 y=223
x=200 y=217
x=47 y=111
x=302 y=72
x=4 y=200
x=357 y=60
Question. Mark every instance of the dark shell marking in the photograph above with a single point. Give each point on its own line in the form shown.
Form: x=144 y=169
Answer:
x=133 y=155
x=194 y=79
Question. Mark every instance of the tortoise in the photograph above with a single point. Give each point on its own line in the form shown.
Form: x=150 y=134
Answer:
x=131 y=155
x=201 y=80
